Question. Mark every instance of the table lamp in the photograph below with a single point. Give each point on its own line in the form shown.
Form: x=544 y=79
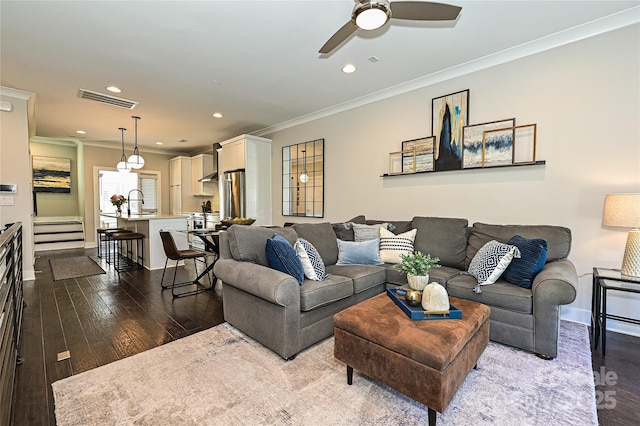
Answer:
x=623 y=210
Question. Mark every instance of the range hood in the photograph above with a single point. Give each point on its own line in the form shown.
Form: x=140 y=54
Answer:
x=213 y=176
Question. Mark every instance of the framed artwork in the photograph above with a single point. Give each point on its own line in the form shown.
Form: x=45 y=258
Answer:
x=523 y=145
x=449 y=115
x=497 y=147
x=423 y=155
x=51 y=174
x=473 y=151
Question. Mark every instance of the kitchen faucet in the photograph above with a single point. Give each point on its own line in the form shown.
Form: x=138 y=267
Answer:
x=129 y=200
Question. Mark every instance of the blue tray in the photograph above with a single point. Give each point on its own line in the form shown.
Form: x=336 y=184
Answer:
x=416 y=312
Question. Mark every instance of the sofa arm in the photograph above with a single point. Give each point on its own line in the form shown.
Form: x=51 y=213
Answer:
x=556 y=284
x=260 y=281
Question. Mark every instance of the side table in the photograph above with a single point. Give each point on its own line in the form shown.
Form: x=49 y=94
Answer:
x=605 y=279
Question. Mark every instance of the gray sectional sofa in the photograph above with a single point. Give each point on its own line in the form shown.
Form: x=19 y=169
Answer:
x=271 y=307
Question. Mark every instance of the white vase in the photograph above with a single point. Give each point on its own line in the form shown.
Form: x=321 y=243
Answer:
x=417 y=282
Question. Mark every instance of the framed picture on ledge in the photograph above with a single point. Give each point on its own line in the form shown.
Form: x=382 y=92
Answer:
x=449 y=115
x=499 y=147
x=423 y=157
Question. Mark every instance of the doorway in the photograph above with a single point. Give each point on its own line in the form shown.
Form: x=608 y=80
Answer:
x=112 y=182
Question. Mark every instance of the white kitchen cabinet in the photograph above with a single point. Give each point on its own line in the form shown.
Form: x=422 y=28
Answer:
x=181 y=194
x=232 y=156
x=202 y=165
x=253 y=154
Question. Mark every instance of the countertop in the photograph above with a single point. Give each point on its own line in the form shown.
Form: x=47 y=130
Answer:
x=139 y=217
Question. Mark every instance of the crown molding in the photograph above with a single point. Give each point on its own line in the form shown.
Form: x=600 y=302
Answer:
x=571 y=35
x=16 y=93
x=118 y=146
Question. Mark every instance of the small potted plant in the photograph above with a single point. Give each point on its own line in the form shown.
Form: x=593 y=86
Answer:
x=417 y=266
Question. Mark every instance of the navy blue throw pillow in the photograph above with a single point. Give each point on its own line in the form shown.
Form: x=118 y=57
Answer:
x=282 y=256
x=533 y=253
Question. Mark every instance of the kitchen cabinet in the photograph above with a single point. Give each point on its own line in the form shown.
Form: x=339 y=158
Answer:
x=180 y=190
x=232 y=156
x=253 y=154
x=202 y=165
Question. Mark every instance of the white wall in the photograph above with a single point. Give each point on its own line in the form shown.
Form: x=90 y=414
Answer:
x=15 y=168
x=585 y=98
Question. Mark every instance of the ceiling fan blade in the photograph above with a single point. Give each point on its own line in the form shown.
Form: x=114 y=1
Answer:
x=341 y=35
x=424 y=11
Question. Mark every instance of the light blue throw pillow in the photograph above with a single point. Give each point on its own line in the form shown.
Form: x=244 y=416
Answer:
x=359 y=253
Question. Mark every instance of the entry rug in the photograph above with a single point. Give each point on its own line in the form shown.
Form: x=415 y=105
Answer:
x=74 y=267
x=222 y=377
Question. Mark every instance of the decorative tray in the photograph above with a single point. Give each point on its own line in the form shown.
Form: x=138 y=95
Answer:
x=416 y=312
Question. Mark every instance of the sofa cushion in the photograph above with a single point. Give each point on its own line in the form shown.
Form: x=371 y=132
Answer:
x=491 y=261
x=247 y=243
x=364 y=277
x=359 y=253
x=523 y=270
x=558 y=237
x=314 y=294
x=311 y=260
x=500 y=295
x=439 y=275
x=323 y=238
x=344 y=230
x=282 y=257
x=445 y=238
x=392 y=245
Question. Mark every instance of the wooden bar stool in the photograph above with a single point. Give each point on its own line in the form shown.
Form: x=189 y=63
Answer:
x=173 y=253
x=126 y=258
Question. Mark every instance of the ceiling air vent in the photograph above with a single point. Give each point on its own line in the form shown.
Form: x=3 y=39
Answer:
x=106 y=99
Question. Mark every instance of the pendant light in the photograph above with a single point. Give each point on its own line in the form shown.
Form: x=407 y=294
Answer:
x=123 y=166
x=304 y=176
x=136 y=161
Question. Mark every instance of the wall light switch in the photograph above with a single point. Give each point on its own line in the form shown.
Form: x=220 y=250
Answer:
x=6 y=201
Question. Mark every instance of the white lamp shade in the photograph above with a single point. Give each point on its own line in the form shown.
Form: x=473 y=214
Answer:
x=371 y=19
x=304 y=177
x=136 y=161
x=621 y=210
x=123 y=167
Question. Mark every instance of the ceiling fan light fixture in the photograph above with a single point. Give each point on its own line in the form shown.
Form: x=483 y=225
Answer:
x=371 y=15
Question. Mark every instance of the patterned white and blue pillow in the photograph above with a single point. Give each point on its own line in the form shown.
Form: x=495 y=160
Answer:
x=491 y=261
x=312 y=263
x=282 y=256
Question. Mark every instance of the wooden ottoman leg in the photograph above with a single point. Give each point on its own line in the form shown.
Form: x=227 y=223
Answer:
x=349 y=375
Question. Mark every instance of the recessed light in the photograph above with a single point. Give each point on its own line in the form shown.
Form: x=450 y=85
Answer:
x=81 y=132
x=114 y=89
x=159 y=143
x=348 y=69
x=217 y=115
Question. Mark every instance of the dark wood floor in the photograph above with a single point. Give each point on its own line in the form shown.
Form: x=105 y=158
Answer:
x=101 y=319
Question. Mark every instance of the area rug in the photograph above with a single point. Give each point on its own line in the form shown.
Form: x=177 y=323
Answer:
x=74 y=267
x=222 y=377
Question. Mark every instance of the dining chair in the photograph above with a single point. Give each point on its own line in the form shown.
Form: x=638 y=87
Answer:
x=172 y=252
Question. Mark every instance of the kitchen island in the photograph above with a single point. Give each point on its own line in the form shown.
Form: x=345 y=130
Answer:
x=150 y=225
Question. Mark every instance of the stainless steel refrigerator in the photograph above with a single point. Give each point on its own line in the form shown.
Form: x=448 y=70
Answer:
x=234 y=194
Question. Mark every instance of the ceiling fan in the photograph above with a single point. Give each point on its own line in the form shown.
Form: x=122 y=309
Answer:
x=372 y=14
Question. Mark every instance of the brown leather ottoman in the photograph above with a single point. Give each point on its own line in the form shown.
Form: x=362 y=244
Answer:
x=427 y=360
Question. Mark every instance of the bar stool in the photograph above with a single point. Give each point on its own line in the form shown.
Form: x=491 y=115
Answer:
x=172 y=252
x=125 y=257
x=101 y=237
x=109 y=244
